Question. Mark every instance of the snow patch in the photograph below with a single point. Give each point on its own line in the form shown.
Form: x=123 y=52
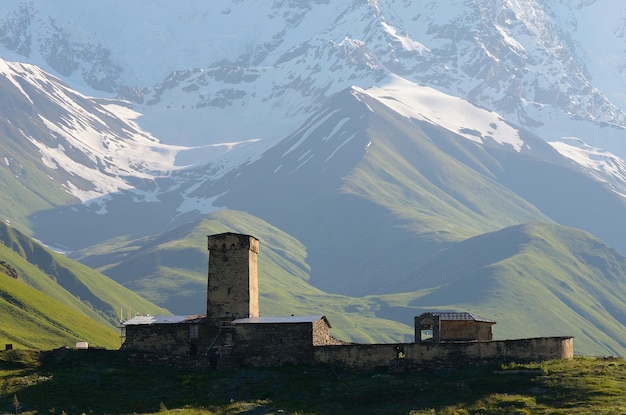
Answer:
x=601 y=164
x=407 y=43
x=200 y=204
x=452 y=113
x=339 y=147
x=310 y=130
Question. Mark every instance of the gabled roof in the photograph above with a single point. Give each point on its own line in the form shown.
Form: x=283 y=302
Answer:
x=281 y=320
x=148 y=319
x=456 y=316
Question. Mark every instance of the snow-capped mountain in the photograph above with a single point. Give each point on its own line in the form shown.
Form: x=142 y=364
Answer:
x=94 y=145
x=232 y=70
x=256 y=70
x=379 y=135
x=601 y=164
x=252 y=73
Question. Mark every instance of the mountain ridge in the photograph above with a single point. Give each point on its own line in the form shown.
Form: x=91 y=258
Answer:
x=491 y=67
x=371 y=137
x=535 y=279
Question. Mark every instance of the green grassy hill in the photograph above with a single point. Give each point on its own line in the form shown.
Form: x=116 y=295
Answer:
x=34 y=320
x=406 y=218
x=535 y=280
x=397 y=192
x=443 y=187
x=50 y=300
x=171 y=270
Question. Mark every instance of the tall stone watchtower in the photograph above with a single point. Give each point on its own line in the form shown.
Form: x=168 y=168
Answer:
x=233 y=281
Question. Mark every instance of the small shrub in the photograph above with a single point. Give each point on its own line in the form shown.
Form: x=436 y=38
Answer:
x=16 y=404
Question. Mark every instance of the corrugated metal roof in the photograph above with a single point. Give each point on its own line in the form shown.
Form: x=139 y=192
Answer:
x=148 y=319
x=461 y=316
x=280 y=320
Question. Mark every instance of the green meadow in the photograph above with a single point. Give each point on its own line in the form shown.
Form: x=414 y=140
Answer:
x=103 y=382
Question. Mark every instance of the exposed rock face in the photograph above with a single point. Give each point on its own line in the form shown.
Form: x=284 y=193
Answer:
x=7 y=269
x=528 y=60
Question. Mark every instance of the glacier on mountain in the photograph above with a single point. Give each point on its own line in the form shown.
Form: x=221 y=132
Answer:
x=229 y=79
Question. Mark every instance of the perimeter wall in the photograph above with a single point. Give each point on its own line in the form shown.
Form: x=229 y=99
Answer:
x=448 y=354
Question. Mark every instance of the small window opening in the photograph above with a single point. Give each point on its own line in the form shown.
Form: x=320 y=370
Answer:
x=426 y=333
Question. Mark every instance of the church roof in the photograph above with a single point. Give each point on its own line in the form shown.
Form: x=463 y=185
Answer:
x=149 y=319
x=280 y=320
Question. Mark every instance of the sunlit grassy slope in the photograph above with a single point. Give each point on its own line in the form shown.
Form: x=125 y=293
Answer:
x=535 y=280
x=33 y=320
x=69 y=282
x=441 y=186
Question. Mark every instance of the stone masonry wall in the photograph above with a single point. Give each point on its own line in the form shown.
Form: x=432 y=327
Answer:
x=232 y=287
x=273 y=344
x=159 y=338
x=445 y=354
x=465 y=330
x=321 y=334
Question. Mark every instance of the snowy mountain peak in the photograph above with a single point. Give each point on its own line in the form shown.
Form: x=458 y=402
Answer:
x=96 y=143
x=264 y=68
x=258 y=69
x=452 y=113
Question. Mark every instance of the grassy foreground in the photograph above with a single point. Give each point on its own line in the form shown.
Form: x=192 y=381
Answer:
x=101 y=382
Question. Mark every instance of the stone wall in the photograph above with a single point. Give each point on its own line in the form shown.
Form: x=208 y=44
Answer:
x=464 y=330
x=233 y=284
x=445 y=354
x=321 y=334
x=169 y=339
x=277 y=344
x=273 y=344
x=159 y=338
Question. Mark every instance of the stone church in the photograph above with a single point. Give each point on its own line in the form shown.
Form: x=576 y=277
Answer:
x=232 y=325
x=233 y=333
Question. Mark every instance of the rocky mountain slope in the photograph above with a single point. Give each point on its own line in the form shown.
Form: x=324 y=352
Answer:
x=224 y=69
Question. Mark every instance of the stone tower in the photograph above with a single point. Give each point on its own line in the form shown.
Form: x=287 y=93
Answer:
x=233 y=281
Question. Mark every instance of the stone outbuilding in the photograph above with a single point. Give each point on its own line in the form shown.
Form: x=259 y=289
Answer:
x=452 y=326
x=280 y=340
x=172 y=335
